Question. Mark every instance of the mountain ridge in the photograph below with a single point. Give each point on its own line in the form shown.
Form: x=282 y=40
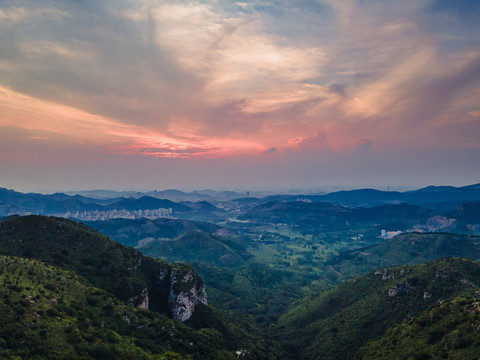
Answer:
x=50 y=313
x=132 y=277
x=336 y=323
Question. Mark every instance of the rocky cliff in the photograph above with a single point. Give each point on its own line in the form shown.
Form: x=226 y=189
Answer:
x=142 y=281
x=186 y=291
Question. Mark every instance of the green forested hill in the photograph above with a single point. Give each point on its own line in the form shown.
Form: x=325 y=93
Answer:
x=124 y=274
x=322 y=216
x=105 y=263
x=198 y=246
x=449 y=330
x=408 y=248
x=65 y=290
x=336 y=323
x=177 y=240
x=135 y=232
x=49 y=313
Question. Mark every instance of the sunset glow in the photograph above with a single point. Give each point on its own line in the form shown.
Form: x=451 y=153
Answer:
x=332 y=91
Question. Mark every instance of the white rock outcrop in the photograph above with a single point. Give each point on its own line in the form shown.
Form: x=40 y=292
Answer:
x=186 y=291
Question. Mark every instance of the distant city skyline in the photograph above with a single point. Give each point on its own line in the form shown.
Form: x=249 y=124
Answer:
x=261 y=94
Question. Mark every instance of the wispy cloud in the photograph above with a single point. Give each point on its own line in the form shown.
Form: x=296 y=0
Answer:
x=28 y=13
x=21 y=112
x=196 y=79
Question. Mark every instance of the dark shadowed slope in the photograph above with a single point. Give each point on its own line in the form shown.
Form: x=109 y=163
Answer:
x=125 y=272
x=50 y=313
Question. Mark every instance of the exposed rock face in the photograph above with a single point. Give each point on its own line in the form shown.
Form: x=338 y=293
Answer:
x=141 y=301
x=163 y=273
x=141 y=281
x=439 y=222
x=396 y=289
x=184 y=287
x=186 y=291
x=474 y=228
x=390 y=274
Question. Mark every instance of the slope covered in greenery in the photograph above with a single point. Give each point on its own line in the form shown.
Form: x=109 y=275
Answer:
x=49 y=313
x=134 y=232
x=323 y=216
x=449 y=330
x=125 y=274
x=198 y=246
x=336 y=323
x=467 y=218
x=255 y=293
x=408 y=248
x=105 y=263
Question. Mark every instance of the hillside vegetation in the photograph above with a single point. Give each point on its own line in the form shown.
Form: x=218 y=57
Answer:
x=140 y=231
x=408 y=248
x=49 y=313
x=127 y=275
x=449 y=330
x=277 y=274
x=105 y=263
x=198 y=246
x=322 y=216
x=336 y=323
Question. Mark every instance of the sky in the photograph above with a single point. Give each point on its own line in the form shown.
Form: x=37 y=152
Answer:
x=153 y=94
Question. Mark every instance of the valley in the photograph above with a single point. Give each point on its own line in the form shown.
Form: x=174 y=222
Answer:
x=239 y=180
x=291 y=277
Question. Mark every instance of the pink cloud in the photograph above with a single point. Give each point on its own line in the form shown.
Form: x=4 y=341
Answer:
x=187 y=81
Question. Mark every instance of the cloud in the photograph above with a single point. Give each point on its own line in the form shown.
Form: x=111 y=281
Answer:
x=21 y=114
x=18 y=14
x=196 y=79
x=314 y=143
x=338 y=89
x=365 y=145
x=273 y=100
x=233 y=52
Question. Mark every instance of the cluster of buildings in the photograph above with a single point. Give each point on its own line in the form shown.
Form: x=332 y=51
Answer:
x=98 y=215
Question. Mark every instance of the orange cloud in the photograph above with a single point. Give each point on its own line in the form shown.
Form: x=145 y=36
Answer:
x=233 y=54
x=208 y=79
x=28 y=113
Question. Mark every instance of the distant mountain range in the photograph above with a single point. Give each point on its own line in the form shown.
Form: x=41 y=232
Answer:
x=408 y=248
x=171 y=194
x=12 y=202
x=431 y=208
x=438 y=197
x=324 y=216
